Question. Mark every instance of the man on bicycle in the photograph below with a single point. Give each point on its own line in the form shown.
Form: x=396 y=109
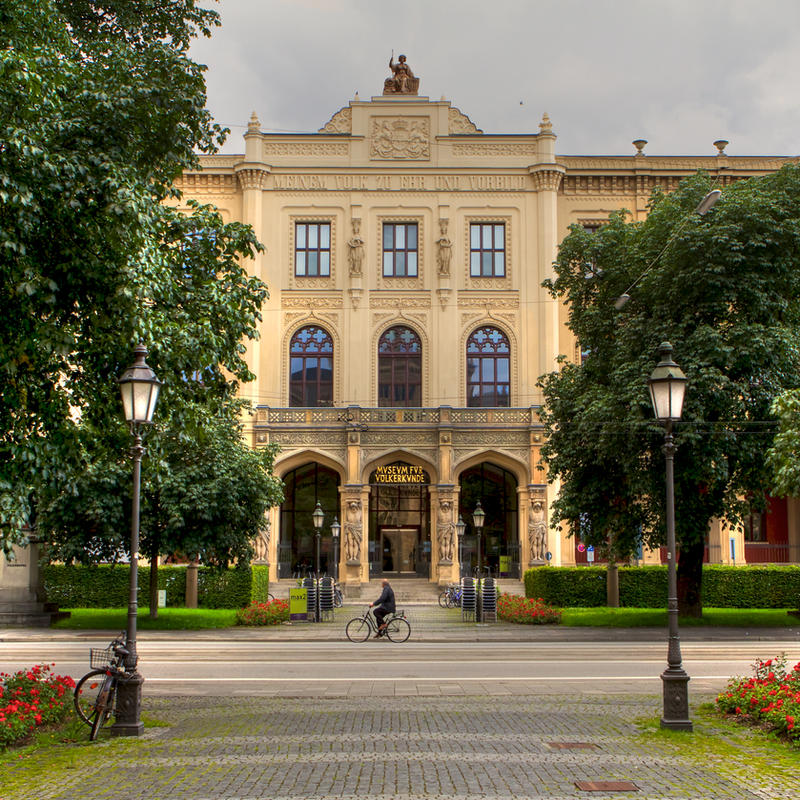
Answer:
x=383 y=605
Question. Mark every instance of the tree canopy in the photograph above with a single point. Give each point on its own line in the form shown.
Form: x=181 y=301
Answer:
x=723 y=289
x=101 y=108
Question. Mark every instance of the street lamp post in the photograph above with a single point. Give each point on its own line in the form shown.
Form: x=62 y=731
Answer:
x=667 y=385
x=478 y=517
x=139 y=388
x=461 y=526
x=318 y=517
x=336 y=529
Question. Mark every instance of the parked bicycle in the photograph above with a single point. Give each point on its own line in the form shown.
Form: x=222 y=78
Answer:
x=451 y=596
x=338 y=597
x=96 y=691
x=397 y=628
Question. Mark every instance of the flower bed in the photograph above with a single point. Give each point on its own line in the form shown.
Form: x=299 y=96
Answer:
x=770 y=699
x=525 y=611
x=29 y=699
x=271 y=613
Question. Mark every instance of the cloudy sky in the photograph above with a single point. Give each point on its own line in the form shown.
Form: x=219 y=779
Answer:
x=679 y=73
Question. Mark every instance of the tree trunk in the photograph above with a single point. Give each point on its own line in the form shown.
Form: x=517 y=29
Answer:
x=154 y=586
x=690 y=579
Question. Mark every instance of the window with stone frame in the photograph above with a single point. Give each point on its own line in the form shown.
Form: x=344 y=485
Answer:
x=487 y=250
x=400 y=368
x=311 y=368
x=312 y=249
x=755 y=528
x=400 y=250
x=488 y=368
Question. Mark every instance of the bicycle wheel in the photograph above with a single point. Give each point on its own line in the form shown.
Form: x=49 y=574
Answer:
x=105 y=707
x=86 y=694
x=357 y=630
x=443 y=598
x=398 y=630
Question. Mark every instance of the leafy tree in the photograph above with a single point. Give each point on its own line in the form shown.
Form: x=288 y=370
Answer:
x=100 y=109
x=722 y=288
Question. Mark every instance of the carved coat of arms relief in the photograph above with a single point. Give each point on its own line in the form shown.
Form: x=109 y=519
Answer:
x=400 y=137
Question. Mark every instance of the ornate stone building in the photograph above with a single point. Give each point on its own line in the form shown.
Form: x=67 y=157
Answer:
x=407 y=325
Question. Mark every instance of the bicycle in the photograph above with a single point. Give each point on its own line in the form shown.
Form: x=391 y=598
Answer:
x=397 y=628
x=450 y=597
x=96 y=691
x=338 y=597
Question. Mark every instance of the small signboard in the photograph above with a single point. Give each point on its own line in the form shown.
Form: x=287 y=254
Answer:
x=162 y=598
x=590 y=553
x=505 y=566
x=298 y=603
x=581 y=547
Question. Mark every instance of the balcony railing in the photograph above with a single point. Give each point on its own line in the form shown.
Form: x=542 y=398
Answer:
x=265 y=415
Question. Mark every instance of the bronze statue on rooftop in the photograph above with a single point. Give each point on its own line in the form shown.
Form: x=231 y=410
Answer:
x=402 y=80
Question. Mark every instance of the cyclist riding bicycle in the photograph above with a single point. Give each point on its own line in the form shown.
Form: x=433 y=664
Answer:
x=384 y=605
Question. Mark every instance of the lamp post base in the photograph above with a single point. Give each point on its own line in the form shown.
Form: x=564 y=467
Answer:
x=676 y=700
x=129 y=705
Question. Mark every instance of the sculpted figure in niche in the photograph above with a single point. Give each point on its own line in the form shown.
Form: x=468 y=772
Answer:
x=445 y=530
x=537 y=531
x=261 y=544
x=352 y=532
x=445 y=249
x=402 y=80
x=356 y=245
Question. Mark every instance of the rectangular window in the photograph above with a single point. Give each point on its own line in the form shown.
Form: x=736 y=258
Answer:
x=312 y=249
x=487 y=250
x=400 y=250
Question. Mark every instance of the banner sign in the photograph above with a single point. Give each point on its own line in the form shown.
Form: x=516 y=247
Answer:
x=298 y=604
x=400 y=473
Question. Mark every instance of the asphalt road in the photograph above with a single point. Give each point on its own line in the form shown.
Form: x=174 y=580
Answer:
x=181 y=665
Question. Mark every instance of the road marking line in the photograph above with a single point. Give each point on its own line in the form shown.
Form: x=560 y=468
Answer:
x=448 y=679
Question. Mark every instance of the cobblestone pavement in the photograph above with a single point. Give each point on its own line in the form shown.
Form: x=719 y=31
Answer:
x=285 y=748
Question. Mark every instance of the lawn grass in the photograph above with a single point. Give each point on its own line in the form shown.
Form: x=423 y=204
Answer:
x=604 y=617
x=115 y=619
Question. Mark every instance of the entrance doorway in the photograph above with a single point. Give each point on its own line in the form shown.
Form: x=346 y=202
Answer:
x=399 y=522
x=399 y=550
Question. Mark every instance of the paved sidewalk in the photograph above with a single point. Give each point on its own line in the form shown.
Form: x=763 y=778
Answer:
x=428 y=624
x=283 y=748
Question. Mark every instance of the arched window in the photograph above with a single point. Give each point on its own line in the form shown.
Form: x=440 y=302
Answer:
x=488 y=368
x=400 y=368
x=311 y=367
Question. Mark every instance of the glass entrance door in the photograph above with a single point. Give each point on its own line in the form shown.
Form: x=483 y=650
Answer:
x=399 y=550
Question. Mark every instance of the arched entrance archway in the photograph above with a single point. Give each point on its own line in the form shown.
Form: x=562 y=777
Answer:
x=399 y=521
x=496 y=488
x=306 y=486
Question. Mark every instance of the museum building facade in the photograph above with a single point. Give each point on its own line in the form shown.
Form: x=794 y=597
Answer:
x=407 y=326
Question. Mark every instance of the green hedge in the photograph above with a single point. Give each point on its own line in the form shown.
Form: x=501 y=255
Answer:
x=106 y=586
x=775 y=586
x=260 y=589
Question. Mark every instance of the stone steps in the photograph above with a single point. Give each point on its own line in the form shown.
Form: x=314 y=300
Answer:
x=24 y=615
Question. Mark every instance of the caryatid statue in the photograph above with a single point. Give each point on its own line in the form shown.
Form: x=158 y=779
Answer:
x=445 y=530
x=353 y=532
x=537 y=531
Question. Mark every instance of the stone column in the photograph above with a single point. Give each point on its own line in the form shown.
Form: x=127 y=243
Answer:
x=191 y=585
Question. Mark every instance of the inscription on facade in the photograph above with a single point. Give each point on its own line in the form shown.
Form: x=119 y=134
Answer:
x=400 y=473
x=403 y=183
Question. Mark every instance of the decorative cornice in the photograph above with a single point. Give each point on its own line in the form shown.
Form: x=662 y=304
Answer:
x=547 y=177
x=513 y=149
x=460 y=123
x=306 y=149
x=252 y=176
x=340 y=122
